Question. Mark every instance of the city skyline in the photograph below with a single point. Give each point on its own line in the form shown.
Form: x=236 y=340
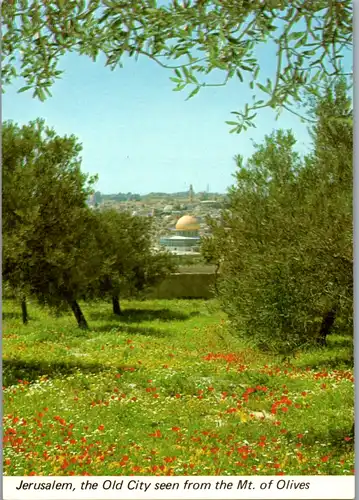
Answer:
x=185 y=191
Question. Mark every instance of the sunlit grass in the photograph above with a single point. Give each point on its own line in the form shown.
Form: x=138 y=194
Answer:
x=166 y=390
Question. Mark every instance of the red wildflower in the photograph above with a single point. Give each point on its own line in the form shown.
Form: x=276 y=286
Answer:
x=231 y=410
x=156 y=434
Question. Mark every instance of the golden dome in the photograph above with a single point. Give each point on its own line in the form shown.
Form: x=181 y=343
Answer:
x=187 y=223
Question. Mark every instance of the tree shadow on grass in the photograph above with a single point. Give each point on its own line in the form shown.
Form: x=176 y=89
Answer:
x=336 y=437
x=333 y=356
x=330 y=364
x=112 y=329
x=139 y=315
x=16 y=369
x=340 y=341
x=6 y=316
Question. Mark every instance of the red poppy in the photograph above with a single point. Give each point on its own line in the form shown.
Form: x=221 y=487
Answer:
x=156 y=434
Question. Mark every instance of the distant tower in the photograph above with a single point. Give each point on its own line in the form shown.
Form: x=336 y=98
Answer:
x=207 y=188
x=92 y=199
x=191 y=193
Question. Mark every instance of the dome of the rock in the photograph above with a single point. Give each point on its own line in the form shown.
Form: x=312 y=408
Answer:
x=187 y=223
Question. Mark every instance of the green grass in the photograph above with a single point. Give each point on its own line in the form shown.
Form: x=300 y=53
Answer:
x=166 y=390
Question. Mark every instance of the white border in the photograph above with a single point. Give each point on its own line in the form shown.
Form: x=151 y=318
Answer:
x=180 y=487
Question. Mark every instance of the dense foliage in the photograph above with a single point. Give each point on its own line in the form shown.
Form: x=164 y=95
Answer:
x=55 y=248
x=48 y=247
x=194 y=38
x=285 y=244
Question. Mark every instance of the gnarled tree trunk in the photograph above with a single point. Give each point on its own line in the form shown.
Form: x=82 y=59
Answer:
x=80 y=318
x=24 y=311
x=326 y=326
x=116 y=308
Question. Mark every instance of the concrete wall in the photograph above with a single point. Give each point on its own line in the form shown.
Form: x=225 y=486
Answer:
x=185 y=285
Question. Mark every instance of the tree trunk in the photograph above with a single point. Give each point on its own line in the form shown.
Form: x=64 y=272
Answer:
x=80 y=318
x=327 y=324
x=24 y=311
x=116 y=308
x=218 y=265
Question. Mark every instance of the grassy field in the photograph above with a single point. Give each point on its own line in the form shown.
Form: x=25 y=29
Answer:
x=166 y=391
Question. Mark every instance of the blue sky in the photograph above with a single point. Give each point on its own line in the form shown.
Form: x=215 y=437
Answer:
x=140 y=136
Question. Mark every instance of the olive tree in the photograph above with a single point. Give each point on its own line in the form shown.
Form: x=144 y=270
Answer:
x=286 y=238
x=50 y=250
x=192 y=38
x=130 y=264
